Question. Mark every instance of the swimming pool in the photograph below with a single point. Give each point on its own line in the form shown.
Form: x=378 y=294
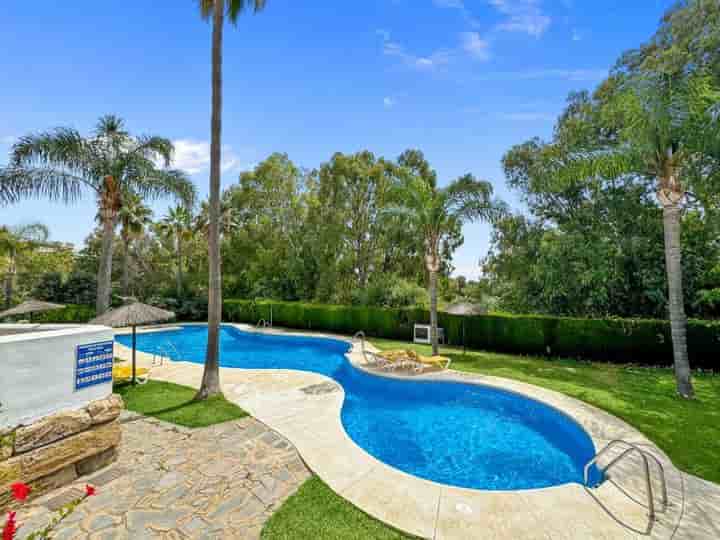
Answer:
x=460 y=434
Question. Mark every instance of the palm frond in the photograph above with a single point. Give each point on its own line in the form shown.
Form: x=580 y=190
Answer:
x=152 y=183
x=154 y=148
x=40 y=182
x=233 y=8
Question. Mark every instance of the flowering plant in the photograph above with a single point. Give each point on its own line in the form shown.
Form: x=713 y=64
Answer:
x=20 y=493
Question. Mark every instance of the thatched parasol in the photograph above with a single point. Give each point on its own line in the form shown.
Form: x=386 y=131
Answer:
x=465 y=309
x=28 y=307
x=135 y=314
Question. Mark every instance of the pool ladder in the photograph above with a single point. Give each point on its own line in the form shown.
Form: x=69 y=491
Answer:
x=644 y=455
x=262 y=323
x=165 y=351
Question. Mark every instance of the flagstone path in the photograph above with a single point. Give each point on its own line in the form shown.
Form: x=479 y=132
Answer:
x=175 y=483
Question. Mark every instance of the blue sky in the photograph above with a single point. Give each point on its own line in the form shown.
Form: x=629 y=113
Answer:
x=462 y=80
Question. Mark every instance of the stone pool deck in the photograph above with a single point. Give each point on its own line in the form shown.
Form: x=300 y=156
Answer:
x=305 y=408
x=221 y=482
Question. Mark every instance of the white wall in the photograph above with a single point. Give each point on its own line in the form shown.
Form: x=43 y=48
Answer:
x=37 y=372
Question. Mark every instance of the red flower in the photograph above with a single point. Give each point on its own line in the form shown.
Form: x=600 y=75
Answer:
x=89 y=491
x=10 y=527
x=20 y=491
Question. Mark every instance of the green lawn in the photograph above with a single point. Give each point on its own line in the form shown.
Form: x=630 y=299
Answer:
x=174 y=403
x=688 y=431
x=316 y=512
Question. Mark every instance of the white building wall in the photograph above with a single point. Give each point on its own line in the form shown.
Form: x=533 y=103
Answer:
x=37 y=372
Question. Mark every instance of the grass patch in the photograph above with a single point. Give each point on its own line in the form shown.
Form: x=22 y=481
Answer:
x=315 y=511
x=688 y=431
x=174 y=403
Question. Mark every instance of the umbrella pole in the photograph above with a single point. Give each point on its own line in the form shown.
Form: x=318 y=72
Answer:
x=133 y=354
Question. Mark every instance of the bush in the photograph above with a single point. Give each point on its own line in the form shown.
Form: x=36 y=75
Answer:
x=613 y=340
x=68 y=314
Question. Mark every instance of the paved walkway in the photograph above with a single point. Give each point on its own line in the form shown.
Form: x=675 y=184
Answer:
x=221 y=482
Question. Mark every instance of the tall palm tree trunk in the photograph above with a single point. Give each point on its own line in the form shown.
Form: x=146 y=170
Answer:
x=104 y=278
x=678 y=320
x=179 y=274
x=10 y=280
x=211 y=375
x=126 y=266
x=433 y=312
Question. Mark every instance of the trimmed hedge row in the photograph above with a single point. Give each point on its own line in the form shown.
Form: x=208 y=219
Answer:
x=610 y=340
x=72 y=313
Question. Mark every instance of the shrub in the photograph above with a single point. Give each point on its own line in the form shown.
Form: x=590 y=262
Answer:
x=614 y=340
x=69 y=314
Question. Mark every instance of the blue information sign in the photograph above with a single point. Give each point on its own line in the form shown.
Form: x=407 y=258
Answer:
x=93 y=364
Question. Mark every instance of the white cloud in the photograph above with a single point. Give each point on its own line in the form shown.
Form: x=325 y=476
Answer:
x=193 y=156
x=430 y=62
x=522 y=16
x=474 y=45
x=389 y=102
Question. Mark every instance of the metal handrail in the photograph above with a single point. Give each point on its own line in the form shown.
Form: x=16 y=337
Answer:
x=646 y=469
x=262 y=323
x=360 y=334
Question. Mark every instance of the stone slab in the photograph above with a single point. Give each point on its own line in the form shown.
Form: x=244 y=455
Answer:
x=55 y=456
x=50 y=429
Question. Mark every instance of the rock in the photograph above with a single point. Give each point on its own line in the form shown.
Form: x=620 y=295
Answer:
x=106 y=410
x=60 y=478
x=96 y=462
x=48 y=459
x=10 y=472
x=7 y=442
x=50 y=429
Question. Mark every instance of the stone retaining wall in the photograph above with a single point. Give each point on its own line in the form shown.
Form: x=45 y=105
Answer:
x=56 y=449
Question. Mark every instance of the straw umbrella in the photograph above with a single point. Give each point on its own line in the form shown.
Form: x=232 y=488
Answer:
x=29 y=307
x=134 y=315
x=465 y=309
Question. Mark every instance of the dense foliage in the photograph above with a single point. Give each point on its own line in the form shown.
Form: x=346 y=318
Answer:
x=591 y=241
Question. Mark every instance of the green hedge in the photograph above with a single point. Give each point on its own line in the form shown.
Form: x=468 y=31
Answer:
x=69 y=314
x=610 y=340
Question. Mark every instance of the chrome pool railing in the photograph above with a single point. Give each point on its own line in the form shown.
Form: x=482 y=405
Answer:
x=644 y=455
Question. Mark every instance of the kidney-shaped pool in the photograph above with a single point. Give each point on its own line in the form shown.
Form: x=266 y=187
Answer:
x=460 y=434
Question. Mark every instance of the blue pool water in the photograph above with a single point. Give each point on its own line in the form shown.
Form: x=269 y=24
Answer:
x=454 y=433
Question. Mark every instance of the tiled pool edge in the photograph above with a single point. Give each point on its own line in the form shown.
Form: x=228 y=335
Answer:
x=427 y=509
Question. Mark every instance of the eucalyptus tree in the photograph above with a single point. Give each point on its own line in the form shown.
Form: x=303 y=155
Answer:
x=61 y=164
x=133 y=216
x=217 y=10
x=177 y=224
x=14 y=242
x=665 y=131
x=436 y=214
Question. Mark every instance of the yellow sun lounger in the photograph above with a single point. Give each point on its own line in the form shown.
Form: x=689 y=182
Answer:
x=395 y=359
x=441 y=362
x=413 y=360
x=124 y=373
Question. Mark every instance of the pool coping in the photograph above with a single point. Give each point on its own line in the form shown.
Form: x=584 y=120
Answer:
x=422 y=507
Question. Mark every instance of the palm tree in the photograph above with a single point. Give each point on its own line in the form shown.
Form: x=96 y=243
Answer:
x=217 y=9
x=134 y=216
x=437 y=214
x=229 y=220
x=669 y=134
x=60 y=163
x=13 y=242
x=177 y=224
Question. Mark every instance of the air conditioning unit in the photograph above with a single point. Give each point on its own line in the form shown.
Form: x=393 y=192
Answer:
x=422 y=334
